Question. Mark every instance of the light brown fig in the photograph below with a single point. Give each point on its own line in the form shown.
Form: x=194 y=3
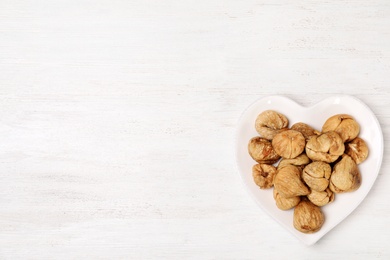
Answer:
x=261 y=150
x=288 y=182
x=269 y=123
x=345 y=176
x=357 y=149
x=308 y=218
x=300 y=161
x=285 y=203
x=342 y=124
x=263 y=175
x=289 y=144
x=305 y=130
x=326 y=147
x=316 y=175
x=321 y=198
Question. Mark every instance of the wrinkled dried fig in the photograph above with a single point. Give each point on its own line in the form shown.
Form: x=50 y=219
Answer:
x=285 y=203
x=316 y=175
x=263 y=175
x=308 y=218
x=342 y=124
x=269 y=123
x=261 y=150
x=321 y=198
x=300 y=161
x=357 y=149
x=345 y=176
x=288 y=182
x=326 y=147
x=304 y=129
x=289 y=144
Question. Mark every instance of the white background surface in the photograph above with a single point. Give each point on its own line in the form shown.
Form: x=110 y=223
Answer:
x=117 y=123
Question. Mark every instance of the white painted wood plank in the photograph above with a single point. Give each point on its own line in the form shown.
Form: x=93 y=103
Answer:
x=117 y=123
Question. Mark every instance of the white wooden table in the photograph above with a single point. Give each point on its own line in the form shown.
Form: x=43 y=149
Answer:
x=117 y=123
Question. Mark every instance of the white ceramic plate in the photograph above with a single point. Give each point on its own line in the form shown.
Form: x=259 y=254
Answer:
x=315 y=116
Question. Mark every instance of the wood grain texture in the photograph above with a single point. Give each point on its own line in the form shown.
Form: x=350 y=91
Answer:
x=117 y=123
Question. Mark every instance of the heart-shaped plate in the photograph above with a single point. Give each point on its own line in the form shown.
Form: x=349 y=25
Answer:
x=315 y=116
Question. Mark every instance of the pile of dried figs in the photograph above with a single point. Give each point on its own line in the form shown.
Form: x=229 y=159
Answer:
x=306 y=167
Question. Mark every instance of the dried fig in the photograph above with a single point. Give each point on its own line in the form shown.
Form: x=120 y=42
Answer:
x=288 y=182
x=342 y=124
x=269 y=123
x=316 y=175
x=263 y=175
x=261 y=150
x=345 y=176
x=326 y=147
x=321 y=198
x=308 y=218
x=357 y=149
x=304 y=129
x=289 y=144
x=300 y=161
x=285 y=203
